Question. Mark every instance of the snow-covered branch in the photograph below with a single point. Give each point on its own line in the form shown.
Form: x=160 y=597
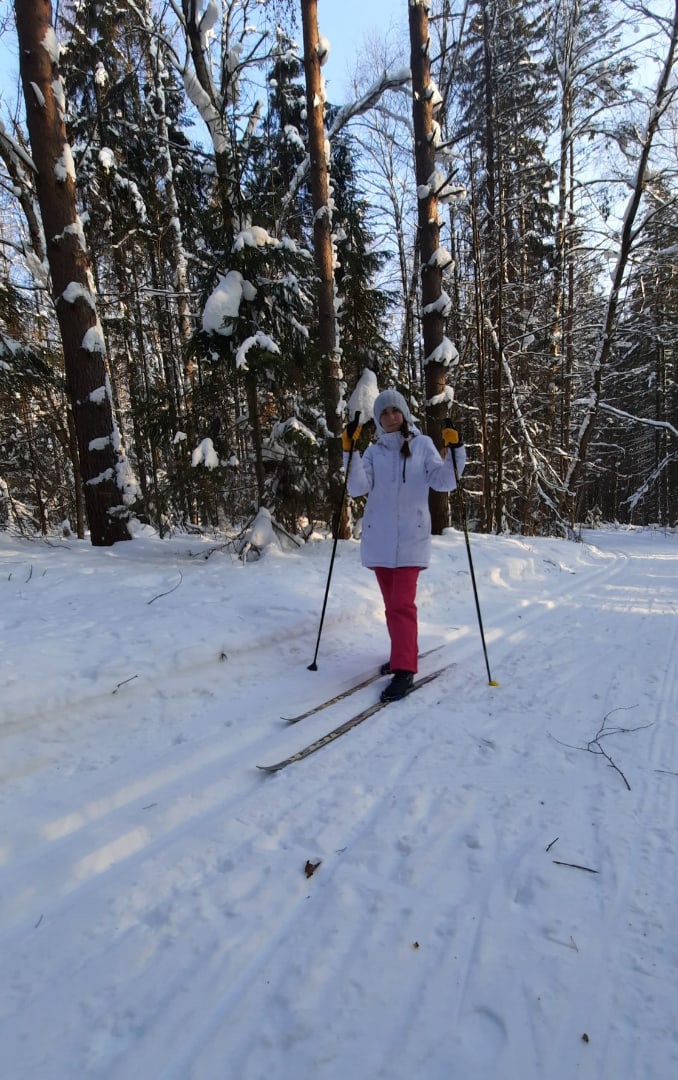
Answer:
x=644 y=420
x=389 y=81
x=396 y=80
x=650 y=481
x=10 y=146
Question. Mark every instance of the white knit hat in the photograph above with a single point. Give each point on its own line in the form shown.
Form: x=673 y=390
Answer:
x=390 y=399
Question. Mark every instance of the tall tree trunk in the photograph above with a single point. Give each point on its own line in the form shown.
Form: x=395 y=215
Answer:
x=428 y=241
x=322 y=246
x=481 y=347
x=72 y=289
x=492 y=229
x=255 y=427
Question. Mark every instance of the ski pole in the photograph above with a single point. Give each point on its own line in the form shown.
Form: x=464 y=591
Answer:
x=313 y=666
x=460 y=493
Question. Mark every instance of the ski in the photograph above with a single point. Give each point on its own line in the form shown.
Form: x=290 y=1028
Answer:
x=324 y=740
x=353 y=689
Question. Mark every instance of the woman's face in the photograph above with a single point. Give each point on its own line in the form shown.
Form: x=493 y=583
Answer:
x=391 y=419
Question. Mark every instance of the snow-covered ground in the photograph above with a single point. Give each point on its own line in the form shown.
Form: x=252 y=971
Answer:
x=492 y=900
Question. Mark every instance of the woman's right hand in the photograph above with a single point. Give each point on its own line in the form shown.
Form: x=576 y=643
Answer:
x=351 y=434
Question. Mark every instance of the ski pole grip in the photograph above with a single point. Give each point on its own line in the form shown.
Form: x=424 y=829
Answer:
x=450 y=425
x=353 y=425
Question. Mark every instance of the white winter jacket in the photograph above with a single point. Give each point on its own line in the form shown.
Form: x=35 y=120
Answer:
x=396 y=529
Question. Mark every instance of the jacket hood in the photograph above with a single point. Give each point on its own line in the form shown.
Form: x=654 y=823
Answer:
x=390 y=399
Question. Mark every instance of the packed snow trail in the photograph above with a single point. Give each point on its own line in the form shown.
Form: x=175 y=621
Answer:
x=155 y=917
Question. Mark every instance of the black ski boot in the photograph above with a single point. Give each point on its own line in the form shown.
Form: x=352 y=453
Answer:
x=385 y=669
x=400 y=684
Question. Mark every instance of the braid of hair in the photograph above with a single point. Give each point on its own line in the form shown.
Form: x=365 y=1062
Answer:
x=405 y=432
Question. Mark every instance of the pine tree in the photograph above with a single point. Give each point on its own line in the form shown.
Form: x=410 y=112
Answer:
x=102 y=465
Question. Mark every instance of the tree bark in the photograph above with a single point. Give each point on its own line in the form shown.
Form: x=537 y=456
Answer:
x=322 y=248
x=72 y=288
x=428 y=242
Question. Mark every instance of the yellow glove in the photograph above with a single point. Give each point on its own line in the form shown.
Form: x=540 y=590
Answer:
x=350 y=435
x=451 y=437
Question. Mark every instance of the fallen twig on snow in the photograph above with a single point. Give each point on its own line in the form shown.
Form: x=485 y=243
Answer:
x=124 y=683
x=173 y=589
x=575 y=866
x=226 y=546
x=594 y=745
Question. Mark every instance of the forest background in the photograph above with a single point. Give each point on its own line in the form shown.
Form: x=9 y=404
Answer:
x=203 y=254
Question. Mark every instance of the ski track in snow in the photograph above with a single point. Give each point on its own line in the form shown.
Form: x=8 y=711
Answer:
x=178 y=872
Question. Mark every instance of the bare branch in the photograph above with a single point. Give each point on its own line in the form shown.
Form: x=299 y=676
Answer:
x=594 y=745
x=173 y=589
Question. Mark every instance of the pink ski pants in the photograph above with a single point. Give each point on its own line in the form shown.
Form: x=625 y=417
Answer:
x=399 y=589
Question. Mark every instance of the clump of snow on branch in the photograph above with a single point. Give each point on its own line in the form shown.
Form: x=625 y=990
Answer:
x=76 y=230
x=223 y=305
x=432 y=94
x=443 y=306
x=232 y=68
x=207 y=23
x=106 y=158
x=64 y=169
x=323 y=49
x=293 y=137
x=39 y=96
x=75 y=290
x=59 y=97
x=254 y=236
x=444 y=398
x=16 y=149
x=101 y=478
x=205 y=454
x=93 y=341
x=261 y=532
x=443 y=187
x=51 y=45
x=260 y=535
x=363 y=397
x=100 y=443
x=441 y=258
x=436 y=136
x=209 y=114
x=293 y=424
x=446 y=354
x=134 y=194
x=258 y=341
x=126 y=481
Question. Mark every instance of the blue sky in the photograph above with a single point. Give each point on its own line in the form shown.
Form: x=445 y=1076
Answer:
x=344 y=22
